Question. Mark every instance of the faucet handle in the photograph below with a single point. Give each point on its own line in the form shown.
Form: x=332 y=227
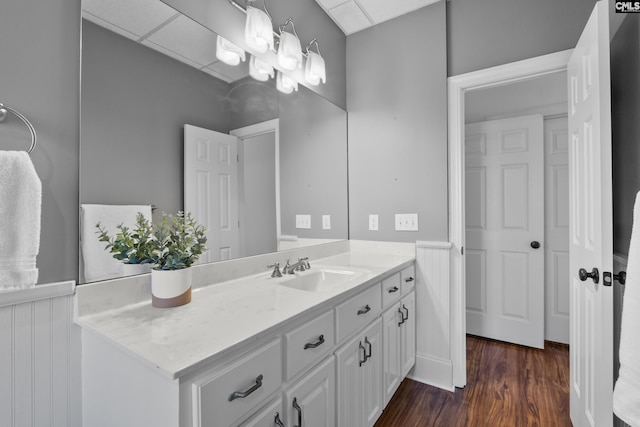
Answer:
x=276 y=270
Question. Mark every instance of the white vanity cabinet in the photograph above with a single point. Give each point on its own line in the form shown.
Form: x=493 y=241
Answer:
x=311 y=401
x=359 y=369
x=271 y=415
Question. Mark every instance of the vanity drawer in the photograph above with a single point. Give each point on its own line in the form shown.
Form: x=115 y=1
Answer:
x=257 y=374
x=391 y=290
x=353 y=314
x=408 y=279
x=309 y=343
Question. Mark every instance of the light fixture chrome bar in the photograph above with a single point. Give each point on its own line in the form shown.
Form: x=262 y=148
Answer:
x=275 y=33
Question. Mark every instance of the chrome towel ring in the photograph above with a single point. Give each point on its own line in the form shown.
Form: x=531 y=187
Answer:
x=3 y=115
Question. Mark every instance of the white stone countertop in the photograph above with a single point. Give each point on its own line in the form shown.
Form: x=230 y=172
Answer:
x=224 y=316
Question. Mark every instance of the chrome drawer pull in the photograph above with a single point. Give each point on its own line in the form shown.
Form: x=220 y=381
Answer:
x=392 y=290
x=408 y=279
x=315 y=344
x=242 y=394
x=364 y=310
x=278 y=421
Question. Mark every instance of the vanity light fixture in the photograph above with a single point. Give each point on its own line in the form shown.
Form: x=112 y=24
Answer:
x=258 y=30
x=260 y=70
x=314 y=70
x=289 y=50
x=286 y=84
x=228 y=52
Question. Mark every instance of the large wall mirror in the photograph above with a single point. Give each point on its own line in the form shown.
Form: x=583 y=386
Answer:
x=147 y=72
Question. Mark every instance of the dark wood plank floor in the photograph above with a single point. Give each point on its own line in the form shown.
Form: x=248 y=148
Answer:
x=507 y=386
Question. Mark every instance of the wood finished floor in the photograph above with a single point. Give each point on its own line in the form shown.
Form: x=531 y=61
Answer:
x=507 y=386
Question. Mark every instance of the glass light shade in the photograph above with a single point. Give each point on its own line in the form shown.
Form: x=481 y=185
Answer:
x=289 y=51
x=286 y=84
x=228 y=52
x=314 y=70
x=258 y=30
x=260 y=70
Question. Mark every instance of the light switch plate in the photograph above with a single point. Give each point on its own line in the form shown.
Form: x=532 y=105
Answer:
x=326 y=222
x=373 y=222
x=406 y=222
x=303 y=221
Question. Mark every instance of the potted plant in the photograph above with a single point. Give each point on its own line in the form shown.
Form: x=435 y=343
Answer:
x=133 y=247
x=170 y=247
x=179 y=241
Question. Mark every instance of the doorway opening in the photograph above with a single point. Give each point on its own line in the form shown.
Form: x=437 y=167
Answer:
x=459 y=86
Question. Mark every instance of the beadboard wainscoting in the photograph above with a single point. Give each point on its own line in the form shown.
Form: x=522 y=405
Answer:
x=39 y=358
x=433 y=315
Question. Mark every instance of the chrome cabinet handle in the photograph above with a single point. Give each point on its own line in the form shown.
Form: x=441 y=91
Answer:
x=364 y=310
x=315 y=344
x=404 y=319
x=392 y=290
x=401 y=317
x=409 y=279
x=277 y=421
x=364 y=352
x=242 y=394
x=594 y=275
x=299 y=409
x=367 y=356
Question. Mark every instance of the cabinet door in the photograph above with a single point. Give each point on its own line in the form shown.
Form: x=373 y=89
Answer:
x=349 y=359
x=269 y=416
x=391 y=351
x=311 y=401
x=371 y=374
x=408 y=333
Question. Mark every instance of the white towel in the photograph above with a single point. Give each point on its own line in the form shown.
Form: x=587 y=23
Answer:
x=626 y=394
x=20 y=202
x=97 y=262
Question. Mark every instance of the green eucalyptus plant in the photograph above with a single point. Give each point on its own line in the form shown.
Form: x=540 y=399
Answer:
x=179 y=242
x=131 y=246
x=173 y=244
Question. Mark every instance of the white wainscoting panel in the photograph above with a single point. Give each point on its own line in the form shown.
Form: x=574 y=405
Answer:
x=433 y=315
x=39 y=358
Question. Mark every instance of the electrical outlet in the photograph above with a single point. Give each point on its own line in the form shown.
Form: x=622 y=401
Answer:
x=373 y=222
x=406 y=222
x=303 y=221
x=326 y=222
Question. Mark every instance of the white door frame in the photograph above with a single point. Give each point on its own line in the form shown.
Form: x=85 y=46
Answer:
x=458 y=86
x=260 y=129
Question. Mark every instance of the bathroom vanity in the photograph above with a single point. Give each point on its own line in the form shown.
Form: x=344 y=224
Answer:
x=323 y=347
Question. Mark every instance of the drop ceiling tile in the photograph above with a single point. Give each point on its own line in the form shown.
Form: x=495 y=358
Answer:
x=187 y=38
x=171 y=54
x=349 y=18
x=380 y=11
x=131 y=16
x=328 y=4
x=109 y=26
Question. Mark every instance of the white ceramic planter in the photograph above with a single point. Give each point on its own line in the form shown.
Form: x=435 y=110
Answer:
x=170 y=288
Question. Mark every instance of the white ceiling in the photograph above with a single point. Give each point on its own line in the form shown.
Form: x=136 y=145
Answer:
x=356 y=15
x=158 y=26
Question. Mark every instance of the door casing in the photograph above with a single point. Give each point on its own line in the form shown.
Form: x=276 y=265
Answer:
x=458 y=86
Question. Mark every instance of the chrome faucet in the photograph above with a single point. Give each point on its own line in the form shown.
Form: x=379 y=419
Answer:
x=301 y=265
x=276 y=270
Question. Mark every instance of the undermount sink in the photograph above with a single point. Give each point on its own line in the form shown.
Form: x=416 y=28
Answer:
x=320 y=279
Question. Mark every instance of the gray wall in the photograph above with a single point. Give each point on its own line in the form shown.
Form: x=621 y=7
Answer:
x=396 y=101
x=40 y=64
x=486 y=33
x=625 y=100
x=133 y=118
x=310 y=21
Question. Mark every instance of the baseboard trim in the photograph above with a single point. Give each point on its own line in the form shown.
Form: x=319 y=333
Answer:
x=433 y=371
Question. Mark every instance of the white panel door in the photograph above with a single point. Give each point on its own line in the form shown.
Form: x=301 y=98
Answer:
x=211 y=189
x=349 y=361
x=312 y=400
x=504 y=220
x=591 y=225
x=371 y=374
x=556 y=240
x=392 y=349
